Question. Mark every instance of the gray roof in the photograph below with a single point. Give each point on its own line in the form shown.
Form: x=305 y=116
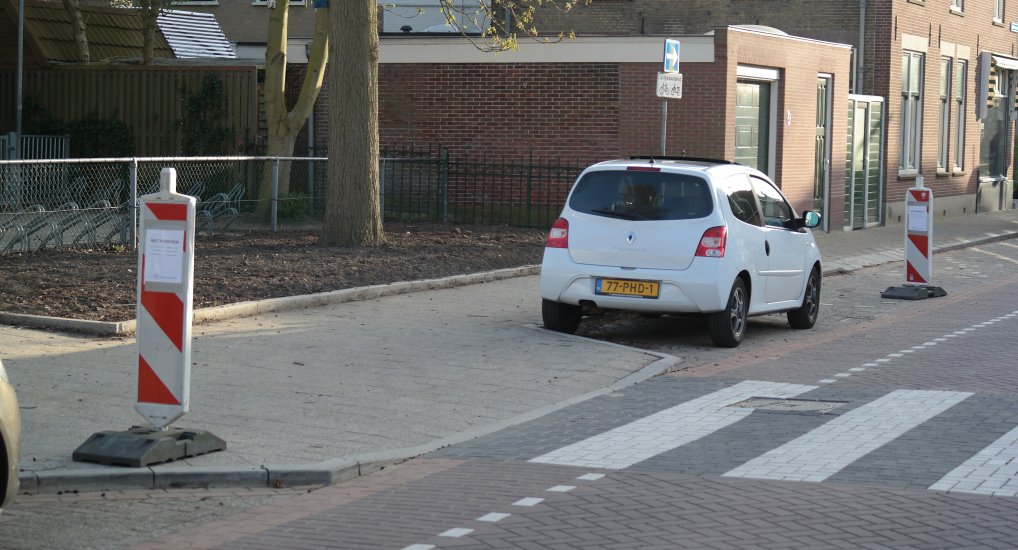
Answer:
x=193 y=34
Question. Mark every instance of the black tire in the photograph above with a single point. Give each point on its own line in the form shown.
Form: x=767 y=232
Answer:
x=806 y=315
x=560 y=317
x=729 y=326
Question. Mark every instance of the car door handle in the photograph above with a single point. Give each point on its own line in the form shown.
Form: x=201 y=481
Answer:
x=767 y=247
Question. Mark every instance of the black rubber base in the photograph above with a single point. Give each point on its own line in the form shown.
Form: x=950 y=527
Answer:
x=139 y=447
x=909 y=292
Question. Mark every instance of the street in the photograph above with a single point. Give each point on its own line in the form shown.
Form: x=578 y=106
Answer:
x=891 y=424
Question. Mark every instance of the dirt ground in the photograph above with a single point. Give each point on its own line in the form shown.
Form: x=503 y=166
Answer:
x=100 y=284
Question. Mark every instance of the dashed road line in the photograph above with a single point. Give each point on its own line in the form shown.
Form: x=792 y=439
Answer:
x=890 y=357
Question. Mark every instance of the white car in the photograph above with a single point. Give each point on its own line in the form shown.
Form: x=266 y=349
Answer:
x=667 y=235
x=10 y=439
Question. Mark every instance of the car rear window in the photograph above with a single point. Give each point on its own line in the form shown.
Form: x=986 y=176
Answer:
x=637 y=195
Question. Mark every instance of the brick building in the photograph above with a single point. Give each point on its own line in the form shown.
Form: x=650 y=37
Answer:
x=945 y=68
x=749 y=93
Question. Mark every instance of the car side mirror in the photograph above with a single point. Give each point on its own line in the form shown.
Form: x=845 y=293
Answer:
x=810 y=219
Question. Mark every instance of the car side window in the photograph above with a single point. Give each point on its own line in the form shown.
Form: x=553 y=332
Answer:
x=742 y=199
x=775 y=209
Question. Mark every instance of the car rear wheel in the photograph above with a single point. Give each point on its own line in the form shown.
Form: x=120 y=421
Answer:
x=729 y=326
x=806 y=315
x=560 y=317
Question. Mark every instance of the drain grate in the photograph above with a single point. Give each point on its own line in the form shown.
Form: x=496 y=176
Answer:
x=787 y=405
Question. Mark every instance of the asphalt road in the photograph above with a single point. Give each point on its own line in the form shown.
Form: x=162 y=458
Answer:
x=900 y=406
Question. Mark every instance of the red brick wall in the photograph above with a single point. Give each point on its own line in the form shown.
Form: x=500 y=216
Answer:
x=597 y=111
x=562 y=110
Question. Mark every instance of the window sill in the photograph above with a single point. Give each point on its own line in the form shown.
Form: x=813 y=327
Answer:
x=908 y=174
x=959 y=172
x=941 y=173
x=917 y=2
x=998 y=23
x=958 y=12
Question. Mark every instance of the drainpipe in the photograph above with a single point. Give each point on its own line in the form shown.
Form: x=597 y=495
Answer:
x=861 y=63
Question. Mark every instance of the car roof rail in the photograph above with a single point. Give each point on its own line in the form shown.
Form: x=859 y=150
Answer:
x=652 y=158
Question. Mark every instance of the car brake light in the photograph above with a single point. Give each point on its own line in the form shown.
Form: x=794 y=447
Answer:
x=558 y=237
x=712 y=243
x=643 y=169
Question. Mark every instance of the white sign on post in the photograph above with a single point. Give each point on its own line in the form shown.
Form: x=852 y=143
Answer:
x=669 y=85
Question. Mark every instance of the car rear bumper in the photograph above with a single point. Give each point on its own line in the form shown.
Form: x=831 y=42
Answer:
x=692 y=290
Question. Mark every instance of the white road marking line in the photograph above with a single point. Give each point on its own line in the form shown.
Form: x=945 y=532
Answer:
x=456 y=532
x=883 y=360
x=493 y=517
x=826 y=450
x=991 y=471
x=419 y=547
x=591 y=477
x=843 y=375
x=529 y=501
x=561 y=488
x=665 y=430
x=826 y=381
x=857 y=369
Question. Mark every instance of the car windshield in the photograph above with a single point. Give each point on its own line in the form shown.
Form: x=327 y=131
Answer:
x=642 y=195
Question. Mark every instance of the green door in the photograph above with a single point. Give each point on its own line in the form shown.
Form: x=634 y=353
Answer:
x=752 y=124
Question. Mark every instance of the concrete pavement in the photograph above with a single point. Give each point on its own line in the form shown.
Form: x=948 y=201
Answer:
x=311 y=395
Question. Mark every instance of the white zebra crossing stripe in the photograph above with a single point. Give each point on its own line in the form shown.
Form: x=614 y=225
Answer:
x=668 y=429
x=992 y=471
x=826 y=450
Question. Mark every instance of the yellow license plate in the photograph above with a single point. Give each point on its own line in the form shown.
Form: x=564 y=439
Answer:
x=626 y=287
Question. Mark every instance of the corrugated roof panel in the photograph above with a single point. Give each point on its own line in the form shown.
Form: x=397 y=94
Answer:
x=192 y=34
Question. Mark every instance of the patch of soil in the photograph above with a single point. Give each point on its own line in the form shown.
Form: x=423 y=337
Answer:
x=100 y=284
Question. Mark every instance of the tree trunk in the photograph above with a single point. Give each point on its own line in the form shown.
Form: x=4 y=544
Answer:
x=78 y=23
x=284 y=125
x=353 y=212
x=149 y=19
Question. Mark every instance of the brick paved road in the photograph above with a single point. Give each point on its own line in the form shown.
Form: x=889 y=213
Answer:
x=897 y=426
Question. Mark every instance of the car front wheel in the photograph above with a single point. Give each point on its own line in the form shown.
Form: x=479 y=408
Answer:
x=729 y=326
x=806 y=314
x=560 y=317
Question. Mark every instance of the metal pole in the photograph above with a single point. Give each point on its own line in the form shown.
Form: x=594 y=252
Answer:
x=275 y=192
x=664 y=124
x=132 y=227
x=21 y=70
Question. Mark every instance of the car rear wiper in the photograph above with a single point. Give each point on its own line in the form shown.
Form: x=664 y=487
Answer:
x=614 y=214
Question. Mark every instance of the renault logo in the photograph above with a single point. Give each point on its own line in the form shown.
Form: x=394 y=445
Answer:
x=630 y=237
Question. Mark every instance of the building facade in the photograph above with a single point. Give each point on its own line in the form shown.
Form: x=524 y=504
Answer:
x=944 y=68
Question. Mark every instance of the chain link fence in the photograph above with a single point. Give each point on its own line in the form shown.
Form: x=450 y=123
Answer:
x=93 y=202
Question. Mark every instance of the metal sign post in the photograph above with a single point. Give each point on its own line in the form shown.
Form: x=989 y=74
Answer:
x=666 y=86
x=918 y=247
x=165 y=296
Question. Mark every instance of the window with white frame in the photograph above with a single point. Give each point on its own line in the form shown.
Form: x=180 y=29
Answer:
x=957 y=5
x=944 y=123
x=911 y=110
x=998 y=11
x=960 y=82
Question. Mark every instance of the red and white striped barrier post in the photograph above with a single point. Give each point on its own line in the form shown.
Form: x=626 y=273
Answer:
x=918 y=247
x=165 y=297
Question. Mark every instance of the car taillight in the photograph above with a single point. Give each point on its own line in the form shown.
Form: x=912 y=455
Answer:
x=558 y=237
x=712 y=243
